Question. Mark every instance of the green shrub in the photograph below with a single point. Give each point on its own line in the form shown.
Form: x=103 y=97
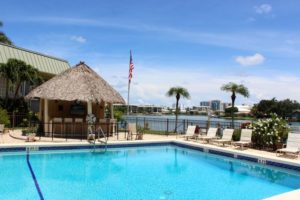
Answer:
x=269 y=133
x=18 y=105
x=236 y=135
x=29 y=130
x=4 y=118
x=118 y=115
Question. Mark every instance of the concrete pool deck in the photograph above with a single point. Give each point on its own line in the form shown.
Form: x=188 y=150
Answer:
x=15 y=138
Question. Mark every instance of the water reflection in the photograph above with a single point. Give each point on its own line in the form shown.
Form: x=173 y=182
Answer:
x=176 y=167
x=247 y=169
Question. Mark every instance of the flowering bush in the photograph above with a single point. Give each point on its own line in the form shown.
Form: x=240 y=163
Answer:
x=269 y=133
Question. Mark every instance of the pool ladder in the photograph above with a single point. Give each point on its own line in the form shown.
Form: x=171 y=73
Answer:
x=100 y=134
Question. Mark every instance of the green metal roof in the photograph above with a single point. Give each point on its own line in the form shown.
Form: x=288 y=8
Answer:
x=44 y=63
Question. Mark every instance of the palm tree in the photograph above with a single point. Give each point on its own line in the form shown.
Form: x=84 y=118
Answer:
x=3 y=38
x=26 y=73
x=178 y=92
x=235 y=89
x=17 y=72
x=9 y=72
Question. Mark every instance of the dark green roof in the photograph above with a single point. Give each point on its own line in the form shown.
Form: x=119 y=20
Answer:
x=43 y=63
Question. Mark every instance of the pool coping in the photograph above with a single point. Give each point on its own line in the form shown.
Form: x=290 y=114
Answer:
x=267 y=160
x=217 y=150
x=294 y=194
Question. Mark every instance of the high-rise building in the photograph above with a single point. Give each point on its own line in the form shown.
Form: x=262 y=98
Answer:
x=205 y=103
x=216 y=105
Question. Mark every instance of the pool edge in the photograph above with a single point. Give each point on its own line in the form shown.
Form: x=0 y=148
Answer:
x=237 y=154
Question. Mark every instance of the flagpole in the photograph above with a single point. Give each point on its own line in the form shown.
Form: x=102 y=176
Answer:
x=129 y=81
x=128 y=97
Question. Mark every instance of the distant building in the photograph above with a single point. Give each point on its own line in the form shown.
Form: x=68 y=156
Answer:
x=216 y=105
x=180 y=106
x=199 y=110
x=143 y=109
x=243 y=109
x=205 y=103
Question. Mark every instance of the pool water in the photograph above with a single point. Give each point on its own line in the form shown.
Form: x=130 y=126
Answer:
x=141 y=173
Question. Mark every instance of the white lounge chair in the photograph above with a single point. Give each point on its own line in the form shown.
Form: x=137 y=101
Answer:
x=245 y=139
x=190 y=132
x=292 y=145
x=2 y=131
x=133 y=131
x=226 y=137
x=211 y=134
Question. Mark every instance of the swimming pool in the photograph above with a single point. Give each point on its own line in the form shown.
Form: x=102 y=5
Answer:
x=160 y=172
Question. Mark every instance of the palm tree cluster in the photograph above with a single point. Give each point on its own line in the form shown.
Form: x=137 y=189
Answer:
x=234 y=88
x=17 y=72
x=3 y=38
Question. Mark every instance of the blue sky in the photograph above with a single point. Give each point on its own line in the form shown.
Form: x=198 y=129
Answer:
x=195 y=44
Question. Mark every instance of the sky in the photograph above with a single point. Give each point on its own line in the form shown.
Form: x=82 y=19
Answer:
x=199 y=45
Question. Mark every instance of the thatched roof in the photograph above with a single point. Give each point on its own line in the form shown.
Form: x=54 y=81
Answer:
x=77 y=83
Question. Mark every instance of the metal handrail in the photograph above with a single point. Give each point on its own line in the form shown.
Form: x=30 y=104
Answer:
x=100 y=132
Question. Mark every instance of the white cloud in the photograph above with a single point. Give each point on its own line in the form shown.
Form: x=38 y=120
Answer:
x=79 y=39
x=256 y=59
x=152 y=89
x=263 y=9
x=266 y=41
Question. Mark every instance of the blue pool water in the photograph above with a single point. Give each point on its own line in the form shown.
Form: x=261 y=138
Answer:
x=141 y=173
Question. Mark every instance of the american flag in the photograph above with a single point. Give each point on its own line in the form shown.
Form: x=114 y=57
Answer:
x=131 y=67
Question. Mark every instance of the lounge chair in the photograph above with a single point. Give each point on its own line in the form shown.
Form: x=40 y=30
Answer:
x=245 y=139
x=226 y=137
x=211 y=134
x=190 y=132
x=133 y=131
x=2 y=131
x=292 y=145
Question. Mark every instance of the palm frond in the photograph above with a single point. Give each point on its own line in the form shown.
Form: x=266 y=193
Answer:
x=233 y=87
x=178 y=90
x=242 y=90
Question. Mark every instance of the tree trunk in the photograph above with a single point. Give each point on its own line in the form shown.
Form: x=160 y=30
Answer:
x=6 y=88
x=17 y=90
x=6 y=92
x=233 y=96
x=176 y=112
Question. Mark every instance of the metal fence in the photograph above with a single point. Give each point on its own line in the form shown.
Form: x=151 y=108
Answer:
x=72 y=130
x=167 y=126
x=18 y=119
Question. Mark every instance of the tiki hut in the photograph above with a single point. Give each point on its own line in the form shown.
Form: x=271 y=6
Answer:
x=69 y=97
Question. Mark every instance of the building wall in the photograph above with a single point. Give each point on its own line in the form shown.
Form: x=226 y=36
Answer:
x=61 y=109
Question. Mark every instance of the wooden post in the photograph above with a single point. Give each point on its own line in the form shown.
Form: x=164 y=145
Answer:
x=111 y=111
x=89 y=111
x=89 y=107
x=112 y=126
x=40 y=116
x=46 y=116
